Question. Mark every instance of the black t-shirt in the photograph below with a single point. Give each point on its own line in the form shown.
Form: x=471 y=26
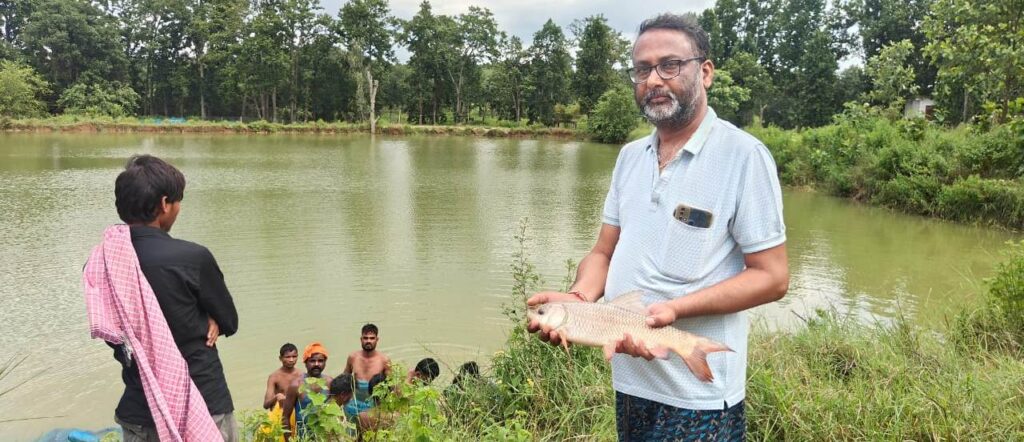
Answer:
x=189 y=287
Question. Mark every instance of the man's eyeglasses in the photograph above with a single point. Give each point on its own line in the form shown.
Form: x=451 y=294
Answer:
x=667 y=70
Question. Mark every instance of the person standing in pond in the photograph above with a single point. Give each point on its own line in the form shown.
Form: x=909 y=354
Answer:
x=364 y=364
x=280 y=379
x=163 y=327
x=693 y=218
x=295 y=400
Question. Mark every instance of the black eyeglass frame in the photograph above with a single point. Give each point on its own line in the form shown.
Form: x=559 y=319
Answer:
x=635 y=72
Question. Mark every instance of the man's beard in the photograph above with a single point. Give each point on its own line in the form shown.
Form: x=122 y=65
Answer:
x=675 y=113
x=368 y=347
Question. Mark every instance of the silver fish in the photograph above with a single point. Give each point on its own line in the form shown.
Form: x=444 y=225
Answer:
x=597 y=324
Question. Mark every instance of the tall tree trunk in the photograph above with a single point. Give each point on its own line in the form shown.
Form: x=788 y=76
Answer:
x=273 y=101
x=373 y=100
x=202 y=91
x=963 y=115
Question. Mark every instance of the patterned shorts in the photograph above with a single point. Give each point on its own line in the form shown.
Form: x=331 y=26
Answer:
x=640 y=419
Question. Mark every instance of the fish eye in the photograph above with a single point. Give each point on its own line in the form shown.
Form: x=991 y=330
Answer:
x=541 y=311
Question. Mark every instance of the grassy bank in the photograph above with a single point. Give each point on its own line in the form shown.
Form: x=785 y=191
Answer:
x=77 y=124
x=834 y=379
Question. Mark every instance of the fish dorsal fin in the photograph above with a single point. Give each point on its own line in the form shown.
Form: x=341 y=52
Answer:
x=632 y=301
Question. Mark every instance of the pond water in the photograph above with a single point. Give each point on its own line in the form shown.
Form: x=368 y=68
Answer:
x=318 y=235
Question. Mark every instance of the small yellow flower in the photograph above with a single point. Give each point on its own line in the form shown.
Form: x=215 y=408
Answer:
x=530 y=382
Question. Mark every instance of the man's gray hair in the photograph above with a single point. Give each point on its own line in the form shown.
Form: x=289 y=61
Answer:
x=685 y=23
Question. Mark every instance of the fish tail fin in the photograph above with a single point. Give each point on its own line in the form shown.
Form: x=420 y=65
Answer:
x=696 y=358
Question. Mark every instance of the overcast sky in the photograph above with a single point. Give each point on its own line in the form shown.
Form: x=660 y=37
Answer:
x=525 y=17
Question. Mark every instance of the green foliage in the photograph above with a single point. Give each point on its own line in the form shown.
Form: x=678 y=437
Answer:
x=884 y=22
x=112 y=99
x=549 y=73
x=21 y=91
x=978 y=48
x=910 y=165
x=67 y=39
x=891 y=77
x=745 y=72
x=975 y=199
x=261 y=426
x=598 y=44
x=324 y=418
x=726 y=97
x=614 y=117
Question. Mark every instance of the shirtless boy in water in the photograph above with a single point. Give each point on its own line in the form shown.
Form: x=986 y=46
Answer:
x=364 y=364
x=280 y=379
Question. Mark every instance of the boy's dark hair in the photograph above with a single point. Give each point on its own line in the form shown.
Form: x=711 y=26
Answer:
x=341 y=384
x=470 y=368
x=287 y=348
x=685 y=23
x=429 y=367
x=369 y=328
x=373 y=382
x=139 y=188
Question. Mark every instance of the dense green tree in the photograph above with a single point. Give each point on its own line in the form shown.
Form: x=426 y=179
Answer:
x=614 y=116
x=978 y=48
x=66 y=39
x=724 y=22
x=394 y=90
x=473 y=41
x=892 y=79
x=13 y=15
x=506 y=83
x=595 y=61
x=262 y=61
x=426 y=38
x=208 y=27
x=726 y=97
x=22 y=91
x=851 y=84
x=366 y=29
x=550 y=69
x=747 y=73
x=883 y=22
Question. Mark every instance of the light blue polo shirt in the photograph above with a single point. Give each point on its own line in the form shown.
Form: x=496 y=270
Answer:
x=722 y=170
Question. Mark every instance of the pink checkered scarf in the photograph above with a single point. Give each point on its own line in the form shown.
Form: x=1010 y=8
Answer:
x=122 y=307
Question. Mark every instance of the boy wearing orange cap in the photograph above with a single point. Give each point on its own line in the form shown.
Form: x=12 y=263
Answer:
x=315 y=359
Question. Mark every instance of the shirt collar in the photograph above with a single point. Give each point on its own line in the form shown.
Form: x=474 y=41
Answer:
x=141 y=230
x=696 y=141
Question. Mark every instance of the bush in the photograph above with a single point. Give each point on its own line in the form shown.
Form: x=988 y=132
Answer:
x=99 y=98
x=913 y=194
x=977 y=199
x=614 y=117
x=21 y=91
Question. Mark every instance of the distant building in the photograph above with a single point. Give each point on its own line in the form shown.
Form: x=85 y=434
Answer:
x=918 y=107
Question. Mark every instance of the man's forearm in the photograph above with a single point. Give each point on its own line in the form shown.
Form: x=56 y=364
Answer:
x=750 y=288
x=591 y=276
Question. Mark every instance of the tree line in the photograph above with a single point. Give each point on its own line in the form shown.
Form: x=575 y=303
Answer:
x=289 y=61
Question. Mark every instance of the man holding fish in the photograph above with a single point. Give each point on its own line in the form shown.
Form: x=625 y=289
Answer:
x=692 y=237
